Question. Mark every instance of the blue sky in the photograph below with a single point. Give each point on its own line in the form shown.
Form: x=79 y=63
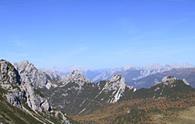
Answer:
x=97 y=33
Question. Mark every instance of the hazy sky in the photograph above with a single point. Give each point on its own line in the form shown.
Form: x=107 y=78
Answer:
x=97 y=33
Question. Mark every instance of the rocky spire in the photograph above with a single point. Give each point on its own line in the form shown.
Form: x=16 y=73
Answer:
x=30 y=74
x=116 y=82
x=77 y=77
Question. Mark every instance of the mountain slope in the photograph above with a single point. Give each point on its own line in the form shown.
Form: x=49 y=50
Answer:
x=76 y=95
x=10 y=114
x=28 y=93
x=20 y=104
x=35 y=77
x=146 y=106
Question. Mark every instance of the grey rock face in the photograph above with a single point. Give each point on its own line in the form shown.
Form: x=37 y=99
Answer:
x=77 y=95
x=115 y=83
x=34 y=79
x=17 y=92
x=30 y=74
x=35 y=101
x=117 y=86
x=8 y=74
x=16 y=97
x=10 y=81
x=77 y=77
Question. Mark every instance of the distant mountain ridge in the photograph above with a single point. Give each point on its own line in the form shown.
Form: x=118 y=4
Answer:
x=77 y=95
x=119 y=84
x=72 y=93
x=138 y=77
x=33 y=90
x=137 y=72
x=141 y=77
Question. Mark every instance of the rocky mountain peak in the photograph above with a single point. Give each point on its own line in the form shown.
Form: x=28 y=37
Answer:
x=169 y=80
x=30 y=74
x=115 y=78
x=77 y=77
x=25 y=62
x=117 y=86
x=116 y=82
x=8 y=74
x=10 y=80
x=24 y=65
x=76 y=73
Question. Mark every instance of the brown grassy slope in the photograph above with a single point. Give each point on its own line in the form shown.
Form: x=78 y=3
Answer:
x=185 y=116
x=139 y=110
